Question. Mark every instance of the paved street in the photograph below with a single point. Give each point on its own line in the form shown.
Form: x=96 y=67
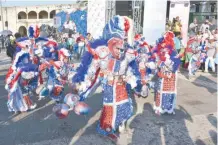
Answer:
x=195 y=121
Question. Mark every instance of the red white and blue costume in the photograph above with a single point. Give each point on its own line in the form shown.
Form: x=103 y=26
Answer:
x=146 y=63
x=198 y=57
x=166 y=86
x=21 y=80
x=58 y=72
x=115 y=69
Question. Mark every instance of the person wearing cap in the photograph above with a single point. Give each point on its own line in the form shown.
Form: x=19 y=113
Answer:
x=211 y=48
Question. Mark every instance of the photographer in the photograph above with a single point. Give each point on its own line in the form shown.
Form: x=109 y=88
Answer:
x=193 y=27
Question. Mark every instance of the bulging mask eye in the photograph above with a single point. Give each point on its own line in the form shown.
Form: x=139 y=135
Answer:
x=121 y=50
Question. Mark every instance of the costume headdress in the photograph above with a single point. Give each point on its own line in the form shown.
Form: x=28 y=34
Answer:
x=33 y=31
x=119 y=27
x=23 y=42
x=19 y=58
x=63 y=53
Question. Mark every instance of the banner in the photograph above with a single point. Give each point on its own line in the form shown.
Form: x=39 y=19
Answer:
x=154 y=19
x=96 y=17
x=72 y=21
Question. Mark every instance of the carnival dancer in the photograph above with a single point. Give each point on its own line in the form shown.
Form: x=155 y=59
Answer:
x=145 y=63
x=165 y=87
x=46 y=50
x=113 y=67
x=198 y=57
x=33 y=34
x=23 y=43
x=189 y=49
x=58 y=72
x=21 y=80
x=195 y=60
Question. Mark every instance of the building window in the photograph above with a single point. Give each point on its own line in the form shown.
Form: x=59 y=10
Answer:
x=32 y=15
x=43 y=15
x=22 y=15
x=172 y=5
x=6 y=23
x=52 y=14
x=213 y=5
x=197 y=8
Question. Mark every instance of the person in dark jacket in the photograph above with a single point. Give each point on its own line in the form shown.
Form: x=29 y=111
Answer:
x=9 y=48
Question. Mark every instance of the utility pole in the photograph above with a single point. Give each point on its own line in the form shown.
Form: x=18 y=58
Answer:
x=2 y=39
x=2 y=15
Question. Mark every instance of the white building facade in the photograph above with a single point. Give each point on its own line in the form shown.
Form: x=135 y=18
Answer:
x=18 y=19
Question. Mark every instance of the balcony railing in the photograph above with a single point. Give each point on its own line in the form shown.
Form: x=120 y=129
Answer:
x=34 y=20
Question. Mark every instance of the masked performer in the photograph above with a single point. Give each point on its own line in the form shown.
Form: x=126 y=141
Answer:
x=165 y=87
x=146 y=63
x=113 y=67
x=58 y=72
x=21 y=80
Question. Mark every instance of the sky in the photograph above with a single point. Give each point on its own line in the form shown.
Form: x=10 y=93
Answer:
x=11 y=3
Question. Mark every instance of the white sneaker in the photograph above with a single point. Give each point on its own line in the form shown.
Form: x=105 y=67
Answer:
x=122 y=127
x=40 y=98
x=33 y=106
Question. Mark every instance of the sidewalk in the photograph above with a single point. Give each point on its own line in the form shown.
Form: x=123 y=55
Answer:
x=194 y=123
x=5 y=63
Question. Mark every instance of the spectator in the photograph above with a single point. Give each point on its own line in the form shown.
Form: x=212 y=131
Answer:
x=216 y=57
x=10 y=49
x=216 y=34
x=177 y=41
x=211 y=48
x=193 y=27
x=199 y=36
x=70 y=42
x=17 y=35
x=205 y=26
x=177 y=26
x=81 y=45
x=89 y=37
x=168 y=25
x=206 y=35
x=216 y=44
x=63 y=43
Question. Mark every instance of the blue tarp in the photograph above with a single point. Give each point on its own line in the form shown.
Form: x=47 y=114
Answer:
x=79 y=17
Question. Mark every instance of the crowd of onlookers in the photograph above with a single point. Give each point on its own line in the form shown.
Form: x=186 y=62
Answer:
x=75 y=44
x=10 y=44
x=206 y=37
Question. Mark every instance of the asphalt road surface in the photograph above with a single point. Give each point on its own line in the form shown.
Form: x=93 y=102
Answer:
x=195 y=121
